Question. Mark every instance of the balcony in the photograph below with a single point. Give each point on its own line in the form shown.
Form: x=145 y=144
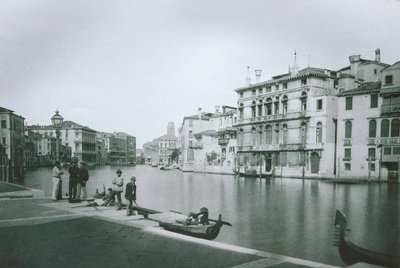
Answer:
x=244 y=148
x=314 y=146
x=266 y=147
x=390 y=108
x=347 y=142
x=223 y=142
x=196 y=146
x=372 y=141
x=388 y=140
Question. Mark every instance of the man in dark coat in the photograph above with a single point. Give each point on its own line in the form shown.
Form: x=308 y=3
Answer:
x=130 y=195
x=83 y=178
x=73 y=180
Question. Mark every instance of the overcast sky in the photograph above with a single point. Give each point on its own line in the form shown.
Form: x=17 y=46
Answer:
x=133 y=66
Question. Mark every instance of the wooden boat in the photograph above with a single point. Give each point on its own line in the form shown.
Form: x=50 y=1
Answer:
x=209 y=231
x=171 y=222
x=167 y=168
x=351 y=253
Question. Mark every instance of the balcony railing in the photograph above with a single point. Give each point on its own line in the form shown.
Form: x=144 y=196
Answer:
x=245 y=148
x=389 y=140
x=272 y=117
x=347 y=142
x=223 y=141
x=263 y=147
x=390 y=108
x=196 y=146
x=372 y=141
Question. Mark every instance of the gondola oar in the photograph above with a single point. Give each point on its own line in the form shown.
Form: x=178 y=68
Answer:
x=223 y=222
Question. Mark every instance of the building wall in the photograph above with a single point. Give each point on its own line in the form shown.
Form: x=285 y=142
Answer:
x=288 y=147
x=359 y=116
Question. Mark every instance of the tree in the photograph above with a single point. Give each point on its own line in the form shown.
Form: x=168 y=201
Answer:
x=211 y=157
x=175 y=155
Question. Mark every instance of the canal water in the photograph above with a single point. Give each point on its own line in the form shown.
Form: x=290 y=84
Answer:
x=291 y=217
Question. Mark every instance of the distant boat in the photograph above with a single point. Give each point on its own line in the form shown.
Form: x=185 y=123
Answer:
x=167 y=167
x=351 y=253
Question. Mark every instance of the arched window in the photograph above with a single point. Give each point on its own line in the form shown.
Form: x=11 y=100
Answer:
x=240 y=137
x=303 y=132
x=254 y=136
x=268 y=134
x=253 y=109
x=395 y=128
x=284 y=104
x=372 y=129
x=385 y=128
x=268 y=106
x=319 y=132
x=277 y=134
x=276 y=105
x=259 y=138
x=240 y=110
x=259 y=108
x=303 y=100
x=347 y=131
x=284 y=134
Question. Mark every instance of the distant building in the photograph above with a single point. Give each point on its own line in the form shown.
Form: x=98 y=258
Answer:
x=359 y=119
x=214 y=147
x=151 y=152
x=187 y=141
x=81 y=140
x=160 y=149
x=31 y=150
x=285 y=125
x=12 y=145
x=389 y=141
x=120 y=148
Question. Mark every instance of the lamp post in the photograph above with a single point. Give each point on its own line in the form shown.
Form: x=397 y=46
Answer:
x=57 y=121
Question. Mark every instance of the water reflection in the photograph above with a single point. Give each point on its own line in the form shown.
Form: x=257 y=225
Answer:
x=284 y=216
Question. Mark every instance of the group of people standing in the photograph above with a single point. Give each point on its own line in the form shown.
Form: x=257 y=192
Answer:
x=117 y=190
x=78 y=176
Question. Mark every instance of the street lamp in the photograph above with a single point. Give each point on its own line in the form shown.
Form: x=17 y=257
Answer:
x=57 y=121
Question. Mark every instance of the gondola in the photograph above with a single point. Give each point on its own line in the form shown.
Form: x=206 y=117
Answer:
x=209 y=231
x=171 y=221
x=351 y=253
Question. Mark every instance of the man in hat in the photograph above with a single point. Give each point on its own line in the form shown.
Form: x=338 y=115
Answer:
x=56 y=179
x=118 y=188
x=130 y=195
x=83 y=177
x=73 y=180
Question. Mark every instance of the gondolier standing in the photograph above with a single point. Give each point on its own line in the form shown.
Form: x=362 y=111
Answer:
x=56 y=179
x=130 y=195
x=118 y=188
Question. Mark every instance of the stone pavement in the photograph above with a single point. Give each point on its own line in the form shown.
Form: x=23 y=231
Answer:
x=39 y=232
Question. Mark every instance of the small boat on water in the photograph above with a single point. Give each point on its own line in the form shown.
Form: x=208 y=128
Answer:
x=167 y=168
x=209 y=231
x=175 y=222
x=351 y=253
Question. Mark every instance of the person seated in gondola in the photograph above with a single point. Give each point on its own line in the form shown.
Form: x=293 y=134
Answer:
x=203 y=215
x=197 y=218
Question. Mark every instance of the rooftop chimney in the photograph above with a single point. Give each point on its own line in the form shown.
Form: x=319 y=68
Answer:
x=248 y=79
x=199 y=113
x=295 y=69
x=217 y=109
x=378 y=55
x=354 y=62
x=258 y=75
